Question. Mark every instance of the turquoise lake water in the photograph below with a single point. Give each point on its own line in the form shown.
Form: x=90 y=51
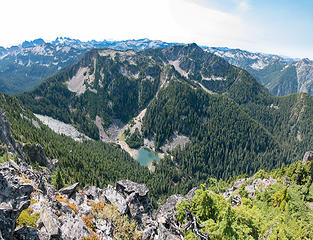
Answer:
x=145 y=157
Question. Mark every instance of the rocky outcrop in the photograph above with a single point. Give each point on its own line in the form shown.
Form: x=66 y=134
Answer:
x=36 y=154
x=116 y=198
x=49 y=223
x=5 y=134
x=14 y=197
x=74 y=228
x=64 y=213
x=308 y=156
x=137 y=199
x=69 y=190
x=252 y=185
x=26 y=233
x=259 y=185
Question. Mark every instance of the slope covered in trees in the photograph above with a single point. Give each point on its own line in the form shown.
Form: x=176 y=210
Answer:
x=89 y=162
x=279 y=210
x=235 y=125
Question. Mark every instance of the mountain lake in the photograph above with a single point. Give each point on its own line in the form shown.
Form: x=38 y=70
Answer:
x=145 y=157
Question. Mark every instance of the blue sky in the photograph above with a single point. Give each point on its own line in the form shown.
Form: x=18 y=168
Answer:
x=283 y=27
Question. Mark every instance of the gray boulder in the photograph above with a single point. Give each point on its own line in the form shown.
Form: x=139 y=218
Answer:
x=92 y=192
x=73 y=228
x=137 y=199
x=14 y=198
x=69 y=190
x=116 y=198
x=50 y=223
x=26 y=233
x=166 y=218
x=127 y=187
x=308 y=156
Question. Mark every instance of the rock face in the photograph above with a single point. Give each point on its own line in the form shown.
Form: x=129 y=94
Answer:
x=137 y=199
x=5 y=134
x=308 y=156
x=37 y=155
x=28 y=233
x=14 y=197
x=49 y=223
x=69 y=190
x=115 y=198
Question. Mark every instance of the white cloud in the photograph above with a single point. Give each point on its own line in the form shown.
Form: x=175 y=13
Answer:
x=243 y=5
x=207 y=22
x=171 y=20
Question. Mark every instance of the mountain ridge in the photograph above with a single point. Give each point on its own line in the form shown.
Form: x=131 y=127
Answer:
x=182 y=83
x=281 y=75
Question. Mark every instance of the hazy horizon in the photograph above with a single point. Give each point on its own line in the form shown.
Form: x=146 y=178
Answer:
x=273 y=27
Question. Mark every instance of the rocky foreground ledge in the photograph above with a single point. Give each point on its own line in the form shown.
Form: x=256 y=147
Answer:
x=31 y=208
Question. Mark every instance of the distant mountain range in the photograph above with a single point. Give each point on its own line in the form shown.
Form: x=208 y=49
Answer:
x=25 y=66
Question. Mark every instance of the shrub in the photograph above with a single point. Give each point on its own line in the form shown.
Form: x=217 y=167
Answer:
x=28 y=218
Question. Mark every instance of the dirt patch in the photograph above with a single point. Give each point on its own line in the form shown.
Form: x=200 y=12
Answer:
x=132 y=152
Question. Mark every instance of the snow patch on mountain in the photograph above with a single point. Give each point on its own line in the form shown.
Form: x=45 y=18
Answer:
x=259 y=65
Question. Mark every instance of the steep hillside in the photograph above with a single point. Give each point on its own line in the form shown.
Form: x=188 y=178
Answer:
x=106 y=162
x=229 y=123
x=35 y=204
x=282 y=76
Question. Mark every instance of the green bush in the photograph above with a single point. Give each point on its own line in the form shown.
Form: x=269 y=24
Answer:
x=28 y=218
